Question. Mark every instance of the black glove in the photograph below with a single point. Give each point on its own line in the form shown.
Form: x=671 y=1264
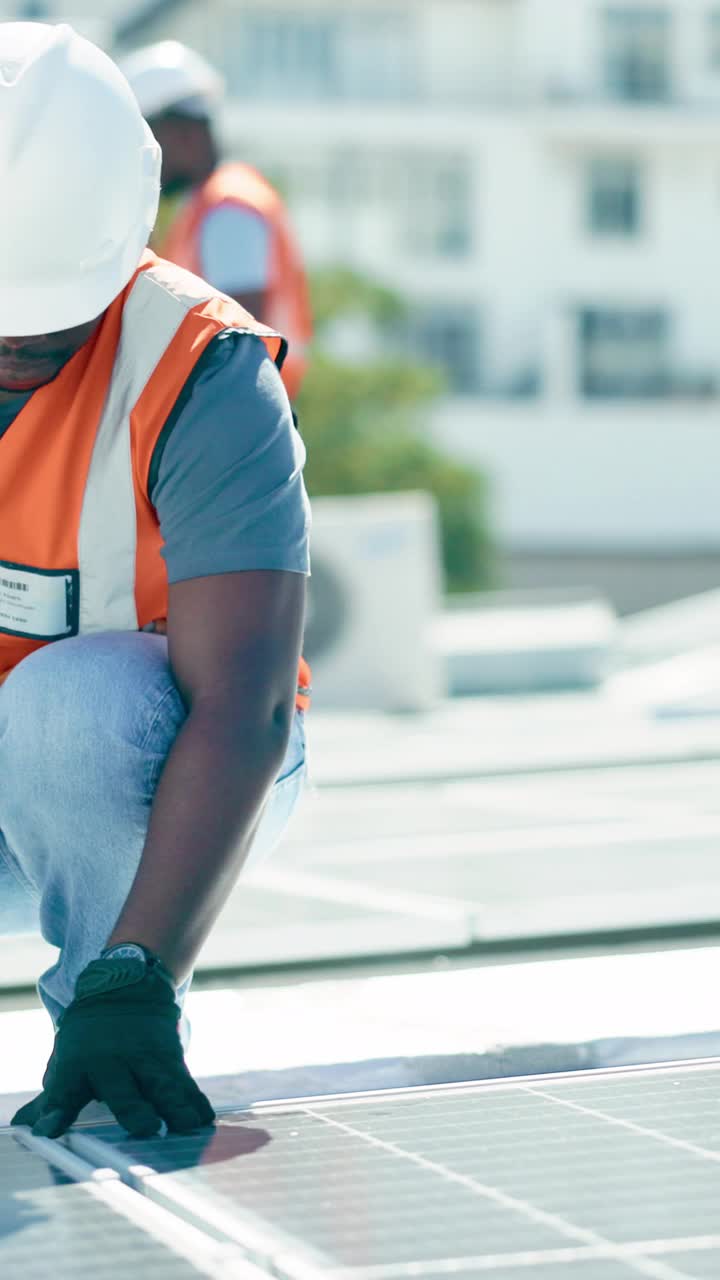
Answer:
x=119 y=1042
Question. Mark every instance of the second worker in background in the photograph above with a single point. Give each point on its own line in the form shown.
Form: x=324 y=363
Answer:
x=223 y=222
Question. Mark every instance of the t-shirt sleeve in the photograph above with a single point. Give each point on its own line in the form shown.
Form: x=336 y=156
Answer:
x=226 y=478
x=235 y=250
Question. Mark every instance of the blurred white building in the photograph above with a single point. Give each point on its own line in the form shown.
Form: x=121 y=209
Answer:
x=542 y=179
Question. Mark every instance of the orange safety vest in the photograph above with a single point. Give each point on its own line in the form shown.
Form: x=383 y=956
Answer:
x=287 y=307
x=79 y=538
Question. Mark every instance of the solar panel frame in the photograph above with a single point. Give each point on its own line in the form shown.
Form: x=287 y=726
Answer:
x=61 y=1218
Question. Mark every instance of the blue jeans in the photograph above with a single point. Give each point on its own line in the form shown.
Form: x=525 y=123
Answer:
x=86 y=725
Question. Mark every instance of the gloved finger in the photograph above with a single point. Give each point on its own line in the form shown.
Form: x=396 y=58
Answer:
x=175 y=1095
x=114 y=1084
x=199 y=1100
x=60 y=1108
x=29 y=1113
x=175 y=1105
x=55 y=1121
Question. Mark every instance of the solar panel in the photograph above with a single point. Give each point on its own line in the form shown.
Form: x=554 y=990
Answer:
x=485 y=804
x=601 y=1174
x=471 y=737
x=382 y=870
x=401 y=867
x=51 y=1225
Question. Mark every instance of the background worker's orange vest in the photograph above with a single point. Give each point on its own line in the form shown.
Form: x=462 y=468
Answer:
x=80 y=542
x=287 y=307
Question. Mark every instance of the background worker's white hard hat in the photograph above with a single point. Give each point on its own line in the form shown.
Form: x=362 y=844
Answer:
x=169 y=76
x=80 y=179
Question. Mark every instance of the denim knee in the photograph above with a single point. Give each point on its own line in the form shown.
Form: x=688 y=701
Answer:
x=85 y=728
x=67 y=696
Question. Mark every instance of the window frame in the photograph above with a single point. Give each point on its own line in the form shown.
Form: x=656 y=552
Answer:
x=712 y=34
x=424 y=335
x=625 y=347
x=616 y=212
x=630 y=83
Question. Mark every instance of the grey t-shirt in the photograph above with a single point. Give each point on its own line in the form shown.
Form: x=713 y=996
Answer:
x=226 y=475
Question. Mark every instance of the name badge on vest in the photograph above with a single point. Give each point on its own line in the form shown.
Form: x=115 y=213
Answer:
x=39 y=604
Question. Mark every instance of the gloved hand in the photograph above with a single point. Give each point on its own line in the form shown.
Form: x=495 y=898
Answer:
x=119 y=1042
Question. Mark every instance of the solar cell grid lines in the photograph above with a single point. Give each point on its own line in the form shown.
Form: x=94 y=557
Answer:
x=612 y=1174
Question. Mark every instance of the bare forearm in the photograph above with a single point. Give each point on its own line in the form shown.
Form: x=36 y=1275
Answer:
x=206 y=808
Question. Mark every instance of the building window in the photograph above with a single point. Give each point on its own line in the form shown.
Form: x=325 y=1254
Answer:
x=713 y=41
x=433 y=205
x=613 y=197
x=624 y=353
x=637 y=54
x=377 y=56
x=326 y=54
x=419 y=202
x=291 y=58
x=424 y=197
x=448 y=336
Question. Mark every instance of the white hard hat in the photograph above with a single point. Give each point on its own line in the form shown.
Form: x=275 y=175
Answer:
x=80 y=178
x=168 y=75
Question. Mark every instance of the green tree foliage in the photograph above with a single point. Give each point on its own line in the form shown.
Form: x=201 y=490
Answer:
x=362 y=424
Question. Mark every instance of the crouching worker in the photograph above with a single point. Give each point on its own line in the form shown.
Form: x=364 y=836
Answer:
x=153 y=558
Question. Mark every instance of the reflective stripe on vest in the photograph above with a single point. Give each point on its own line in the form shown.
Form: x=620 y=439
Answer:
x=108 y=535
